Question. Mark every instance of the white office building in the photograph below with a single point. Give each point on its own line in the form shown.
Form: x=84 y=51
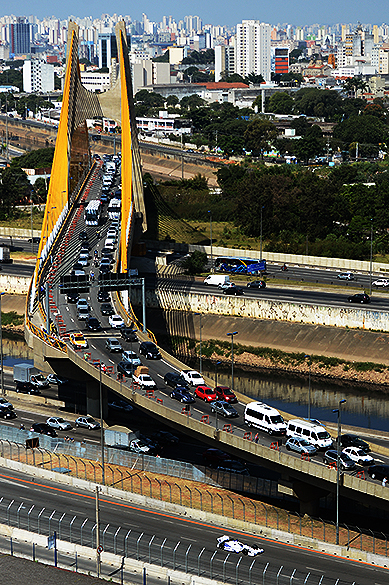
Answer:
x=253 y=49
x=38 y=76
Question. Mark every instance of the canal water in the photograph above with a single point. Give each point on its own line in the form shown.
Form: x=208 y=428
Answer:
x=364 y=407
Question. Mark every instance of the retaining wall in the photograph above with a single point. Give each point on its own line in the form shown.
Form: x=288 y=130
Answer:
x=17 y=285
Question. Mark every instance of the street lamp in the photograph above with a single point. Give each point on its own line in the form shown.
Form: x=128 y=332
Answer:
x=201 y=340
x=210 y=237
x=337 y=410
x=216 y=365
x=232 y=357
x=1 y=350
x=260 y=245
x=309 y=386
x=101 y=427
x=371 y=253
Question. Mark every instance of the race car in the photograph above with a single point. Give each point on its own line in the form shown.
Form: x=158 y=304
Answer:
x=78 y=341
x=231 y=545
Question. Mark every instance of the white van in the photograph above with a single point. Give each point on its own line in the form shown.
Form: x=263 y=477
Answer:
x=315 y=434
x=265 y=418
x=217 y=279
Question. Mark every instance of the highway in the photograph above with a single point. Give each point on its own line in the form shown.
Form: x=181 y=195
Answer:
x=71 y=502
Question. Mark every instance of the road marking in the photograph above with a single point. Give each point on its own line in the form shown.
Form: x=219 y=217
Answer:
x=170 y=365
x=92 y=346
x=67 y=308
x=159 y=376
x=112 y=362
x=71 y=318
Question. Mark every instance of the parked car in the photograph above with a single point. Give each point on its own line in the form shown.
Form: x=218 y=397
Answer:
x=346 y=464
x=149 y=350
x=174 y=379
x=107 y=309
x=115 y=321
x=93 y=324
x=223 y=408
x=113 y=344
x=233 y=290
x=27 y=387
x=359 y=456
x=225 y=393
x=300 y=446
x=256 y=284
x=182 y=394
x=345 y=276
x=359 y=298
x=103 y=296
x=348 y=440
x=128 y=334
x=57 y=422
x=378 y=472
x=87 y=422
x=126 y=368
x=381 y=283
x=43 y=429
x=205 y=393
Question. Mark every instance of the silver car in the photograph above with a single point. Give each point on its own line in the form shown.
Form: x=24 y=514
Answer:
x=87 y=422
x=57 y=422
x=300 y=446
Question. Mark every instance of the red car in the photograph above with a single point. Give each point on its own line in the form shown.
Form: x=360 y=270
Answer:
x=205 y=393
x=225 y=393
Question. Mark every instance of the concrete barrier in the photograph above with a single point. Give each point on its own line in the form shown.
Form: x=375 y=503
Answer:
x=348 y=317
x=223 y=522
x=14 y=284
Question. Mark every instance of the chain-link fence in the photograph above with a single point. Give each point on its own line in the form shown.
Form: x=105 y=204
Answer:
x=201 y=496
x=156 y=550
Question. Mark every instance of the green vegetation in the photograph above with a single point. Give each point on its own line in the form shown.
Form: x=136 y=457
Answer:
x=11 y=318
x=194 y=264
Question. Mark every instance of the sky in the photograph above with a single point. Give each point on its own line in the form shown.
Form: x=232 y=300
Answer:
x=225 y=12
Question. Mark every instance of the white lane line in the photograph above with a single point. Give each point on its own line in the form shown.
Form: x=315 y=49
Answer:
x=112 y=362
x=170 y=365
x=159 y=376
x=91 y=441
x=197 y=410
x=71 y=318
x=93 y=346
x=67 y=308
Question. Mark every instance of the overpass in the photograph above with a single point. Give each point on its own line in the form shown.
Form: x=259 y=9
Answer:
x=75 y=179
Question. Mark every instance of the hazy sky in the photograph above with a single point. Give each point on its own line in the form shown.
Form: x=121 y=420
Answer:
x=228 y=12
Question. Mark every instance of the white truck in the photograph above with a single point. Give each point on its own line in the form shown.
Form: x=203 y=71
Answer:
x=192 y=377
x=124 y=438
x=4 y=255
x=28 y=373
x=217 y=279
x=142 y=378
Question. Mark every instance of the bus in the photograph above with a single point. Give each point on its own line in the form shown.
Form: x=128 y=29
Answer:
x=93 y=212
x=114 y=208
x=240 y=265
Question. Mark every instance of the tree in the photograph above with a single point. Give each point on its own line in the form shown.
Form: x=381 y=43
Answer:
x=280 y=103
x=254 y=79
x=366 y=129
x=194 y=264
x=259 y=135
x=164 y=58
x=310 y=145
x=353 y=85
x=323 y=103
x=192 y=101
x=172 y=100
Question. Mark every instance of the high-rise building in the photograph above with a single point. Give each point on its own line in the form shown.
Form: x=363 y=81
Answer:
x=107 y=48
x=38 y=76
x=281 y=60
x=224 y=61
x=253 y=49
x=19 y=38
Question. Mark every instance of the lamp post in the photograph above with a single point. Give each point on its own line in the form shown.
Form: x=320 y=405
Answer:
x=232 y=357
x=101 y=428
x=309 y=386
x=201 y=341
x=371 y=255
x=337 y=410
x=1 y=351
x=260 y=245
x=216 y=365
x=32 y=224
x=210 y=237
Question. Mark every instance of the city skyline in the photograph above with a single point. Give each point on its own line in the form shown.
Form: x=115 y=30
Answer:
x=299 y=13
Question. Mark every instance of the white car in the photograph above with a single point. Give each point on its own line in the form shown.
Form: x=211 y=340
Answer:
x=130 y=356
x=87 y=422
x=192 y=377
x=144 y=380
x=82 y=304
x=57 y=422
x=115 y=321
x=359 y=455
x=381 y=282
x=232 y=545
